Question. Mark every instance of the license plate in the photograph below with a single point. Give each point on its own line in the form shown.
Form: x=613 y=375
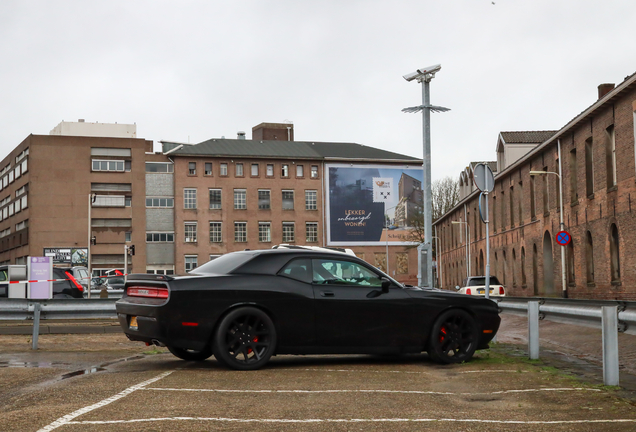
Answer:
x=483 y=290
x=133 y=323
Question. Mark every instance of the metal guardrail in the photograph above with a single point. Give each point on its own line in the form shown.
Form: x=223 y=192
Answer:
x=571 y=311
x=22 y=309
x=112 y=293
x=610 y=316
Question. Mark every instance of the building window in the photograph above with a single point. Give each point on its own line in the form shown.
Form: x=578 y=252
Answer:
x=610 y=153
x=109 y=201
x=100 y=165
x=216 y=232
x=240 y=199
x=223 y=169
x=263 y=199
x=215 y=199
x=589 y=168
x=239 y=170
x=189 y=198
x=300 y=171
x=546 y=197
x=127 y=201
x=533 y=210
x=494 y=213
x=314 y=171
x=191 y=262
x=160 y=202
x=208 y=168
x=254 y=170
x=574 y=192
x=523 y=267
x=311 y=229
x=288 y=232
x=127 y=236
x=270 y=170
x=512 y=207
x=192 y=168
x=264 y=232
x=615 y=255
x=311 y=200
x=288 y=200
x=240 y=232
x=161 y=237
x=589 y=258
x=502 y=206
x=285 y=170
x=520 y=202
x=571 y=272
x=190 y=232
x=158 y=167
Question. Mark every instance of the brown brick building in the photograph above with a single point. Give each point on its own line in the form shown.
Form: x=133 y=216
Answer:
x=597 y=169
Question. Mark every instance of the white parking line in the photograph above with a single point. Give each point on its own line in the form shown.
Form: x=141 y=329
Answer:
x=67 y=419
x=371 y=391
x=371 y=420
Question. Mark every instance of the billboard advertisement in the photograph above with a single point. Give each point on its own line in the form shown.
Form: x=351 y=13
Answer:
x=369 y=205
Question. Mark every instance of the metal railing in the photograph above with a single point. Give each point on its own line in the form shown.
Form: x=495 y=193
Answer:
x=610 y=316
x=22 y=309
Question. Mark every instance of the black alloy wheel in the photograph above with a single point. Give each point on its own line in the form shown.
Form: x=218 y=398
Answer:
x=454 y=337
x=191 y=355
x=245 y=339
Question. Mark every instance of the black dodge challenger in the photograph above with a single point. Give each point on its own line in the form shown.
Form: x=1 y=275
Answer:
x=244 y=307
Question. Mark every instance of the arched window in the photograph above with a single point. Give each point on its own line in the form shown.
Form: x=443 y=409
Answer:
x=571 y=273
x=589 y=258
x=524 y=280
x=535 y=271
x=614 y=253
x=514 y=267
x=504 y=264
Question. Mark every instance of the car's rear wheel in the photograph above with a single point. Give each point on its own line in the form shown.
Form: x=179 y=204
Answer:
x=453 y=338
x=191 y=355
x=245 y=339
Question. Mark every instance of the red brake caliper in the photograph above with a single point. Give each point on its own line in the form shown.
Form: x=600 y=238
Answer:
x=249 y=350
x=442 y=335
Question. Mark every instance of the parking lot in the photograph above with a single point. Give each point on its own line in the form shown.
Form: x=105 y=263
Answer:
x=106 y=383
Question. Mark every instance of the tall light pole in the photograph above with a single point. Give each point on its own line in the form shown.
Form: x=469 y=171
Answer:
x=424 y=76
x=467 y=245
x=561 y=224
x=91 y=200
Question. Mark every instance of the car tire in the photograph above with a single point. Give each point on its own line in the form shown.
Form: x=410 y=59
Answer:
x=191 y=355
x=245 y=339
x=453 y=338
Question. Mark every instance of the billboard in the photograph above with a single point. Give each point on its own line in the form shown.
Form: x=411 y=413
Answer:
x=69 y=256
x=369 y=205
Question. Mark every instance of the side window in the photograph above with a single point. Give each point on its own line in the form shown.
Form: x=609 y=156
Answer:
x=299 y=269
x=339 y=272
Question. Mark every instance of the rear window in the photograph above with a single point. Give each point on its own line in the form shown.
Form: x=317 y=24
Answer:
x=481 y=281
x=223 y=264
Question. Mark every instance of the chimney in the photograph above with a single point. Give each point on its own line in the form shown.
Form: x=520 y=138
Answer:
x=240 y=135
x=604 y=89
x=273 y=131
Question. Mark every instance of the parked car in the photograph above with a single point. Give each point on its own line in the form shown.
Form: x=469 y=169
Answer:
x=318 y=248
x=75 y=282
x=244 y=307
x=114 y=279
x=476 y=285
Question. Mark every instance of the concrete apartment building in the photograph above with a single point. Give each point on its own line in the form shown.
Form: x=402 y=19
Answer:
x=182 y=206
x=593 y=156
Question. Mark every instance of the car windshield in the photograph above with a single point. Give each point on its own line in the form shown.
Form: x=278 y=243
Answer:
x=481 y=281
x=223 y=264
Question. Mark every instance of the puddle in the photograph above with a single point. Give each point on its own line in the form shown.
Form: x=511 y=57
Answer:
x=13 y=363
x=82 y=372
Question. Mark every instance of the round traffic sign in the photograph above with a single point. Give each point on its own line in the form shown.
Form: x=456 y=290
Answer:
x=483 y=177
x=563 y=238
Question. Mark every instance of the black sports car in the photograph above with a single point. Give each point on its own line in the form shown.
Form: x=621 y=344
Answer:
x=244 y=307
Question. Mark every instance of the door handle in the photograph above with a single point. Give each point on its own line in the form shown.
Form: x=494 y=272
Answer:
x=327 y=294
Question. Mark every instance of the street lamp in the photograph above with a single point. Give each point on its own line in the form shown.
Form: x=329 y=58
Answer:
x=424 y=76
x=467 y=245
x=561 y=224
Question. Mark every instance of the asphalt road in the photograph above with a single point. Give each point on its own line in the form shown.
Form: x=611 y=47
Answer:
x=106 y=383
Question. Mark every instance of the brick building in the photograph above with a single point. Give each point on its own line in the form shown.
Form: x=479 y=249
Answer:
x=179 y=207
x=593 y=156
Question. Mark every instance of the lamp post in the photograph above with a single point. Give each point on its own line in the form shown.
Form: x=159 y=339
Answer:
x=467 y=245
x=424 y=76
x=91 y=200
x=561 y=224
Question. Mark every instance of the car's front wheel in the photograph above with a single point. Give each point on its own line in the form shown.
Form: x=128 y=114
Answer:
x=245 y=339
x=453 y=338
x=191 y=355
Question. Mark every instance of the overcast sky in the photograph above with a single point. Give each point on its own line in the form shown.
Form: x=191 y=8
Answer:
x=192 y=70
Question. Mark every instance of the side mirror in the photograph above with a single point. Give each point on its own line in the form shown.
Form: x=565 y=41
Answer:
x=385 y=285
x=457 y=287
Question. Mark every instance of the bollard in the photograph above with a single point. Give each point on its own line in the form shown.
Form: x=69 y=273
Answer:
x=533 y=330
x=36 y=325
x=610 y=345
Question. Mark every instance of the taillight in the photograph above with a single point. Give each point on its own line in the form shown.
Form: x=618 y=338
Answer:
x=72 y=279
x=501 y=290
x=151 y=292
x=468 y=291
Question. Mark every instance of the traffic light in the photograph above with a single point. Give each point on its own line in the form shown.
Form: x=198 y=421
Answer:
x=131 y=250
x=93 y=240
